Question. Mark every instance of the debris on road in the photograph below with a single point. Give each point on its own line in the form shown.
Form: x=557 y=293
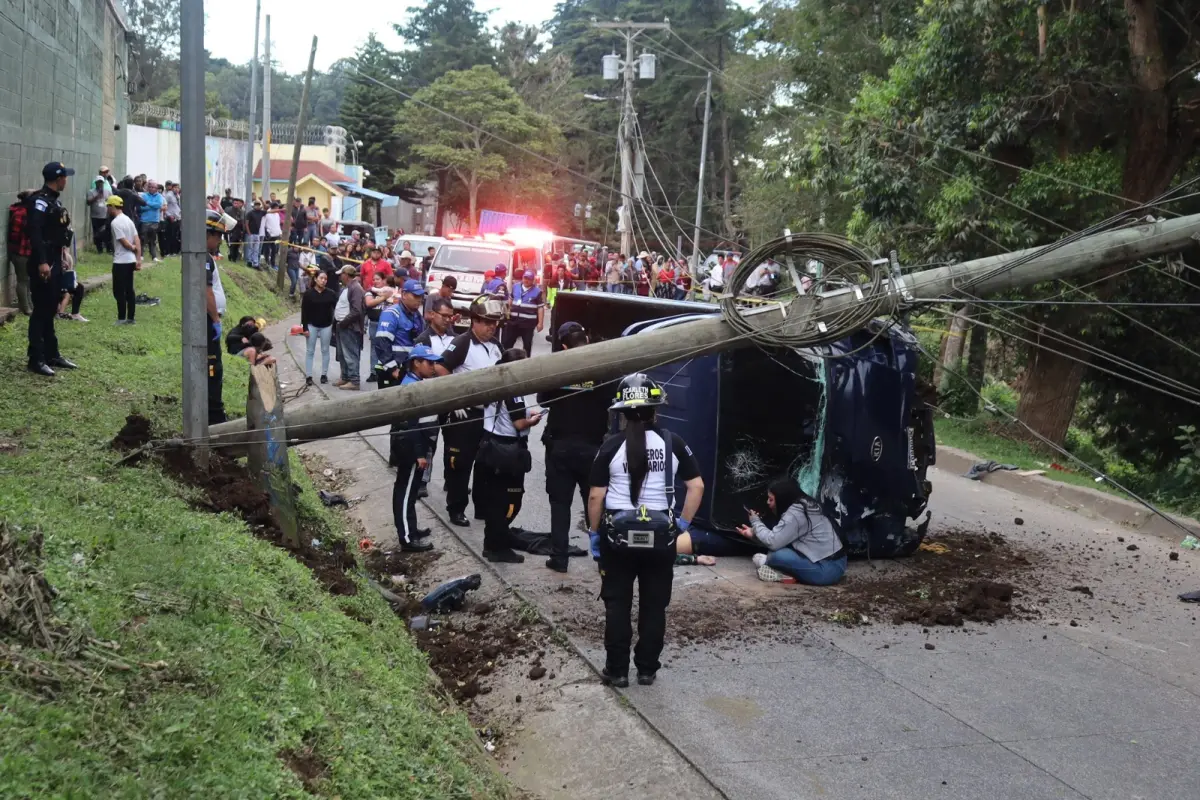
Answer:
x=1190 y=597
x=1190 y=543
x=332 y=499
x=979 y=469
x=451 y=595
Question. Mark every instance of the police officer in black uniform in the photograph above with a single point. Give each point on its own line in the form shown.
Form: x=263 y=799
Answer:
x=475 y=349
x=575 y=429
x=631 y=508
x=214 y=229
x=49 y=232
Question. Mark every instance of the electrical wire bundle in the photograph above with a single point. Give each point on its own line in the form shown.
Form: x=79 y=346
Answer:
x=817 y=265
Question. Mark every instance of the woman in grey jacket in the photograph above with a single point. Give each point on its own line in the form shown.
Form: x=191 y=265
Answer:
x=804 y=544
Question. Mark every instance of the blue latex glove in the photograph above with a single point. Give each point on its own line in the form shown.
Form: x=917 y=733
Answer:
x=682 y=524
x=595 y=548
x=217 y=327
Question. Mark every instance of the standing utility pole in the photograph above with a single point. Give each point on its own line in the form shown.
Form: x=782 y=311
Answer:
x=266 y=136
x=253 y=107
x=700 y=185
x=195 y=307
x=301 y=121
x=629 y=30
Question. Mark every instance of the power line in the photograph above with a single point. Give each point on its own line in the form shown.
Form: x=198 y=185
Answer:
x=476 y=128
x=1059 y=449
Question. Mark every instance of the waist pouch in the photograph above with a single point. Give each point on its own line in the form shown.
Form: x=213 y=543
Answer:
x=640 y=529
x=505 y=456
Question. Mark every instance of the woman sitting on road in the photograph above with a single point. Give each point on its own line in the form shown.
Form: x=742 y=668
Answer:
x=804 y=544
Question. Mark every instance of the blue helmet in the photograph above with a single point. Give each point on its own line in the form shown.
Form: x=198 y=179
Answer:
x=424 y=353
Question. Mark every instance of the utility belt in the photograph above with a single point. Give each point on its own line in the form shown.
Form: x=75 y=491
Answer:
x=640 y=529
x=507 y=455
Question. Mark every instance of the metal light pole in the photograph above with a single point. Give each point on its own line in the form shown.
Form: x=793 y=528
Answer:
x=700 y=184
x=630 y=30
x=253 y=106
x=195 y=329
x=266 y=136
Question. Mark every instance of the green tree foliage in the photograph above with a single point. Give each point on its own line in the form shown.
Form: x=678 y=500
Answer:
x=997 y=125
x=477 y=153
x=213 y=106
x=369 y=110
x=441 y=36
x=154 y=52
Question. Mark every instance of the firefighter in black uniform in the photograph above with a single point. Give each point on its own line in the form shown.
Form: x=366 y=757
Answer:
x=631 y=507
x=49 y=232
x=475 y=349
x=575 y=429
x=214 y=229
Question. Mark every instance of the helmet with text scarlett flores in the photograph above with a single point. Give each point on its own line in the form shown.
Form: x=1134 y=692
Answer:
x=638 y=390
x=488 y=307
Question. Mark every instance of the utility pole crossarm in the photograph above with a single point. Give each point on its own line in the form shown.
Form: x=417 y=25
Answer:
x=639 y=26
x=616 y=357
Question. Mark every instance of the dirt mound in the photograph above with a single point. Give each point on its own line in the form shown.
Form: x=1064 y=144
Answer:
x=228 y=487
x=382 y=564
x=134 y=434
x=956 y=576
x=465 y=650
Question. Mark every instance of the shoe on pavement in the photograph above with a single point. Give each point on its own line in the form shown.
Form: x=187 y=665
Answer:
x=619 y=681
x=80 y=318
x=460 y=519
x=759 y=559
x=41 y=369
x=63 y=363
x=308 y=381
x=422 y=492
x=372 y=378
x=557 y=565
x=350 y=387
x=324 y=379
x=416 y=547
x=422 y=533
x=505 y=556
x=646 y=678
x=770 y=575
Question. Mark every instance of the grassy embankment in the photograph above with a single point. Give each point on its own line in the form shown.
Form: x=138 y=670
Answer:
x=246 y=674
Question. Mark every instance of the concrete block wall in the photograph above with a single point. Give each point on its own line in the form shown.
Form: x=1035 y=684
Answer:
x=64 y=67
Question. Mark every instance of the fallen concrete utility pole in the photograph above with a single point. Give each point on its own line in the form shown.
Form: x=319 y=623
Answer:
x=606 y=360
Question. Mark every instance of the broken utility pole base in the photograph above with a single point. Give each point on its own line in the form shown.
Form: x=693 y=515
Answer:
x=611 y=359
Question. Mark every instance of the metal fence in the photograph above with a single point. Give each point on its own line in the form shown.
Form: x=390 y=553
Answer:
x=281 y=132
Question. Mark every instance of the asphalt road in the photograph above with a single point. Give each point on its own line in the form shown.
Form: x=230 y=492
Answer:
x=1108 y=707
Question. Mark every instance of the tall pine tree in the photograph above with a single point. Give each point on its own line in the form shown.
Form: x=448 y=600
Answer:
x=442 y=36
x=369 y=114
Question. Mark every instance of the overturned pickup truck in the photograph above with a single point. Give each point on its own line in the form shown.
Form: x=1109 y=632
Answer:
x=844 y=419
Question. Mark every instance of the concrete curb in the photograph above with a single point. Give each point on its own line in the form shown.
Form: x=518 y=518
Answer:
x=1090 y=503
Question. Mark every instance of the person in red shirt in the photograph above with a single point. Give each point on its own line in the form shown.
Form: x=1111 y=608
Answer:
x=375 y=263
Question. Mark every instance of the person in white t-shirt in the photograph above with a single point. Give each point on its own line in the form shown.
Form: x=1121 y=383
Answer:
x=127 y=258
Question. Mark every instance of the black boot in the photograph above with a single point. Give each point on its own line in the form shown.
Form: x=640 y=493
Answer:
x=557 y=564
x=619 y=681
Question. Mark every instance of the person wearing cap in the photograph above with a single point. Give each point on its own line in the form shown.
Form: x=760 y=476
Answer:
x=445 y=292
x=577 y=425
x=411 y=453
x=127 y=259
x=475 y=349
x=527 y=310
x=408 y=263
x=498 y=285
x=437 y=336
x=214 y=302
x=399 y=326
x=97 y=195
x=49 y=235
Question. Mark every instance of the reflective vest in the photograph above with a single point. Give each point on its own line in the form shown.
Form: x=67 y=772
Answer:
x=525 y=303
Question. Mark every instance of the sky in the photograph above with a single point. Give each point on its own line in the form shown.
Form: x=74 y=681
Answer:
x=339 y=26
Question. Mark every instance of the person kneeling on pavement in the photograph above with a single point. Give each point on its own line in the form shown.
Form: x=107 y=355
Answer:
x=503 y=460
x=804 y=543
x=411 y=451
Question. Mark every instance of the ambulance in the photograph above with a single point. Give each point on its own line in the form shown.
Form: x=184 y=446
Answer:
x=468 y=259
